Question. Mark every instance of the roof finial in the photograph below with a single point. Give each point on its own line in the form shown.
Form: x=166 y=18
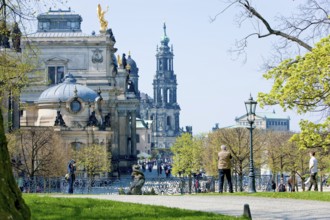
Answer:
x=75 y=92
x=129 y=53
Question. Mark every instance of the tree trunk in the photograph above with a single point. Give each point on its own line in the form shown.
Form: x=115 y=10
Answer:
x=240 y=179
x=190 y=183
x=12 y=205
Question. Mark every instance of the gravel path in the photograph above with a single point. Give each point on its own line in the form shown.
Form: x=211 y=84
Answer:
x=261 y=208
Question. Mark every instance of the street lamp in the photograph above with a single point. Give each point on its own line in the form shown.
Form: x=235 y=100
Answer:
x=250 y=106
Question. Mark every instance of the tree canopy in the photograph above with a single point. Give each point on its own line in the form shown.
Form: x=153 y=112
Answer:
x=187 y=155
x=303 y=84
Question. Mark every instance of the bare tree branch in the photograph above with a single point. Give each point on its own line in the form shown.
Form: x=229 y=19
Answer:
x=272 y=31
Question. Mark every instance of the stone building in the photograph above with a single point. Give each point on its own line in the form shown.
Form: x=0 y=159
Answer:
x=143 y=136
x=80 y=88
x=163 y=109
x=267 y=121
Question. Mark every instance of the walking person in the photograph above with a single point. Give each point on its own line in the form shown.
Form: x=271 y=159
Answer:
x=224 y=166
x=72 y=177
x=273 y=184
x=313 y=171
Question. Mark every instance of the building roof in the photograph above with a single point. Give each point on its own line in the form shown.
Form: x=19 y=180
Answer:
x=267 y=115
x=272 y=115
x=59 y=21
x=59 y=34
x=143 y=123
x=67 y=90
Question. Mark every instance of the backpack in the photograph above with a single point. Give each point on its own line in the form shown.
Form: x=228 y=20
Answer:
x=281 y=188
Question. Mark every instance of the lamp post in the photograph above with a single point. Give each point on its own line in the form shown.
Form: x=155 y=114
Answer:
x=250 y=106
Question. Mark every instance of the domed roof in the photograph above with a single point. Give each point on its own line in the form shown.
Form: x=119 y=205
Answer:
x=132 y=63
x=66 y=90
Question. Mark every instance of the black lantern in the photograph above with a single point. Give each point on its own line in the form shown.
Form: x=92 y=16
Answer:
x=250 y=106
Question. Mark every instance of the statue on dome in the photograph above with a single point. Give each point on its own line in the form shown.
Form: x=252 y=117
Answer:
x=124 y=60
x=131 y=87
x=92 y=121
x=103 y=22
x=107 y=121
x=59 y=120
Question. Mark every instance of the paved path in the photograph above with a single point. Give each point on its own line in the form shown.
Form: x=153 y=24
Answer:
x=261 y=208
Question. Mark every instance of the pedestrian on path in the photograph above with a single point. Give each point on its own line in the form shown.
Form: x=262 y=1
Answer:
x=281 y=187
x=224 y=165
x=313 y=171
x=72 y=177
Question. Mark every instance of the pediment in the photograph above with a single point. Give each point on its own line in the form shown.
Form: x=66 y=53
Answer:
x=56 y=60
x=244 y=117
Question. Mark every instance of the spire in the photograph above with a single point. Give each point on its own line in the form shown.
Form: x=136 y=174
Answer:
x=165 y=39
x=164 y=27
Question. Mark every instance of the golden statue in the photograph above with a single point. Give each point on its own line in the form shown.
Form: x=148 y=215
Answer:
x=103 y=22
x=118 y=61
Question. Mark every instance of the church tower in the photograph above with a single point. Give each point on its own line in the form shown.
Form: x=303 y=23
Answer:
x=165 y=112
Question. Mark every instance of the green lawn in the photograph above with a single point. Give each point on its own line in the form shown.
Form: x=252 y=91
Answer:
x=307 y=195
x=44 y=207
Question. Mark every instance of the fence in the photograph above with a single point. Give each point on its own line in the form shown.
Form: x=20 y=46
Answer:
x=161 y=185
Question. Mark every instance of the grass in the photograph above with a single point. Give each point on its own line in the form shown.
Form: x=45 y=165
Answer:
x=307 y=195
x=44 y=207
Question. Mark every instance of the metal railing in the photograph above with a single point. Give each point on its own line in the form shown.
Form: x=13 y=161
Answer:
x=157 y=185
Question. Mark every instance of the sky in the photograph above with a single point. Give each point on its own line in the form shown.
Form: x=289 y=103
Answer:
x=212 y=83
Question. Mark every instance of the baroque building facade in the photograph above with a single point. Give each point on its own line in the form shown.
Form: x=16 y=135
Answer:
x=81 y=88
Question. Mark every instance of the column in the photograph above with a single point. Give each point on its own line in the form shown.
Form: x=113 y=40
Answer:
x=133 y=133
x=122 y=128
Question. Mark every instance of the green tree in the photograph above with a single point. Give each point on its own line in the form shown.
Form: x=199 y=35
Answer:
x=12 y=206
x=186 y=155
x=210 y=148
x=303 y=84
x=94 y=160
x=12 y=78
x=187 y=158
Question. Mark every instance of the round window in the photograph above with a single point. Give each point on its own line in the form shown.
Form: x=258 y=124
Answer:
x=75 y=106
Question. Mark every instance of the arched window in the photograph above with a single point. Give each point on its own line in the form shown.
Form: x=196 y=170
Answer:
x=168 y=96
x=168 y=120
